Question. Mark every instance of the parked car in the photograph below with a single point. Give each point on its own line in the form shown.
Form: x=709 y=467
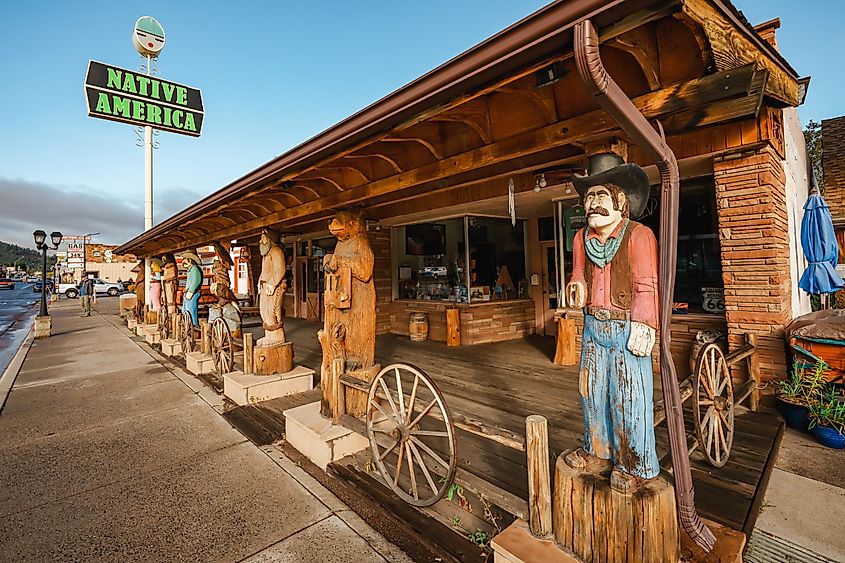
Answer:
x=37 y=287
x=100 y=287
x=6 y=283
x=32 y=279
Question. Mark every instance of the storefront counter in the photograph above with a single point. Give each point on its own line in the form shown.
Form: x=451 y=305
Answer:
x=489 y=321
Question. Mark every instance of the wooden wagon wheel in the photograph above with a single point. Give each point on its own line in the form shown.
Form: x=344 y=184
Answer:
x=222 y=350
x=713 y=405
x=186 y=336
x=162 y=323
x=414 y=429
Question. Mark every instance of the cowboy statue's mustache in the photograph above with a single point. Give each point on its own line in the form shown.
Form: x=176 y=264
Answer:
x=598 y=211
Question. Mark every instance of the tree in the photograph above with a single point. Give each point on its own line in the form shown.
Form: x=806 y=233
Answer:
x=813 y=139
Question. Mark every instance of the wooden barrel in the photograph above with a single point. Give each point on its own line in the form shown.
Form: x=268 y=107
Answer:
x=418 y=327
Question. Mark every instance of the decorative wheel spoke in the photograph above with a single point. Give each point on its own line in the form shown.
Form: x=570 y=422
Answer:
x=401 y=433
x=713 y=404
x=222 y=350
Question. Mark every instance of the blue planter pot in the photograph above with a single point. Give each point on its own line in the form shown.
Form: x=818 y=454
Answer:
x=796 y=416
x=829 y=437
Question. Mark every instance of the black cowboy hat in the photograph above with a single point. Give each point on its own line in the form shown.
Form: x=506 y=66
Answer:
x=609 y=168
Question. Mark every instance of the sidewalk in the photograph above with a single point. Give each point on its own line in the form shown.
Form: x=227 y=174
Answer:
x=106 y=455
x=802 y=514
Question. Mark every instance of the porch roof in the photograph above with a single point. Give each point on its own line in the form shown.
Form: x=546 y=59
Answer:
x=416 y=138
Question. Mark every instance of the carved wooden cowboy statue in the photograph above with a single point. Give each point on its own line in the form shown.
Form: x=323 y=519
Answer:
x=614 y=279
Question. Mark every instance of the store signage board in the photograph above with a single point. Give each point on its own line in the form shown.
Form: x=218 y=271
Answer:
x=126 y=96
x=75 y=254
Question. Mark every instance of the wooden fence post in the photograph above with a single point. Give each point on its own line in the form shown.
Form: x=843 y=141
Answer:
x=248 y=351
x=754 y=370
x=565 y=353
x=539 y=484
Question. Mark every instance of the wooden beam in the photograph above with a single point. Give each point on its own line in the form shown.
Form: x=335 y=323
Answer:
x=641 y=42
x=548 y=110
x=357 y=171
x=731 y=48
x=676 y=98
x=380 y=156
x=325 y=179
x=474 y=114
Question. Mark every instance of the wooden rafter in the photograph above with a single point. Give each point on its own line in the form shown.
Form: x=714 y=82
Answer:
x=434 y=151
x=345 y=167
x=641 y=43
x=305 y=187
x=331 y=181
x=547 y=110
x=474 y=114
x=380 y=156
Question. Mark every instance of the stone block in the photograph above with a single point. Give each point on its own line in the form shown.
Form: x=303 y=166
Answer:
x=153 y=336
x=139 y=330
x=317 y=438
x=199 y=363
x=131 y=324
x=245 y=389
x=171 y=347
x=43 y=326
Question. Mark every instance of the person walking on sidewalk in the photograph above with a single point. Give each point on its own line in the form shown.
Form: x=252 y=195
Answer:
x=87 y=293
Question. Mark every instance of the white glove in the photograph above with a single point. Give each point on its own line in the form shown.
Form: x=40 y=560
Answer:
x=189 y=295
x=269 y=289
x=642 y=338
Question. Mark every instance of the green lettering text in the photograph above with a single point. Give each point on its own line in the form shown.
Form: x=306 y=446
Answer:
x=168 y=91
x=114 y=78
x=153 y=114
x=137 y=110
x=103 y=103
x=189 y=122
x=121 y=105
x=177 y=118
x=181 y=95
x=143 y=81
x=129 y=83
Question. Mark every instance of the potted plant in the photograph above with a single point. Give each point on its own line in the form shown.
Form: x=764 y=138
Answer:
x=827 y=421
x=797 y=393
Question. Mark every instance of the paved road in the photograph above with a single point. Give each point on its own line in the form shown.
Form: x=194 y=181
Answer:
x=17 y=308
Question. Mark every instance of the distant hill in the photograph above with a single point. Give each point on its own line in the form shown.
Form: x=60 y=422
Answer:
x=10 y=253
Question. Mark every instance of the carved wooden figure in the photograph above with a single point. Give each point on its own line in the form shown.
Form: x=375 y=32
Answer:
x=271 y=288
x=349 y=330
x=139 y=291
x=614 y=279
x=170 y=281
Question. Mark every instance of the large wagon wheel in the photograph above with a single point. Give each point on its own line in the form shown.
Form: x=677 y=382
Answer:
x=222 y=350
x=413 y=432
x=163 y=323
x=713 y=405
x=186 y=336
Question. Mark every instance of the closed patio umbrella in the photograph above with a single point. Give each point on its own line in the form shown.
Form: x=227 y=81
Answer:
x=820 y=247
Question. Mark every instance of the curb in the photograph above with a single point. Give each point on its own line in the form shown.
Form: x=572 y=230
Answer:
x=11 y=371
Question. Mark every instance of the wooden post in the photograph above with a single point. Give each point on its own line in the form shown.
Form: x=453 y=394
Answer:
x=539 y=483
x=339 y=406
x=453 y=327
x=754 y=370
x=205 y=347
x=565 y=352
x=248 y=346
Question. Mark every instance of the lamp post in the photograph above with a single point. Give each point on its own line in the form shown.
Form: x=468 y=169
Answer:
x=85 y=253
x=40 y=242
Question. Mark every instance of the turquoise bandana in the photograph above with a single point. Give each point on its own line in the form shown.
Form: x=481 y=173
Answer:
x=601 y=253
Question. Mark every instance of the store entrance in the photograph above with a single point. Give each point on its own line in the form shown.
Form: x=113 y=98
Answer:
x=310 y=286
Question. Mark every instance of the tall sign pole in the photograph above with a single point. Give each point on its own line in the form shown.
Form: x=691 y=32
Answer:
x=148 y=38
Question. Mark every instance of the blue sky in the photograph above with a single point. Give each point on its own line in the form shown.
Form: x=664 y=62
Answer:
x=272 y=75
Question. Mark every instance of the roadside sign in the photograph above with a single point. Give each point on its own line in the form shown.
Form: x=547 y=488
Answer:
x=126 y=96
x=75 y=255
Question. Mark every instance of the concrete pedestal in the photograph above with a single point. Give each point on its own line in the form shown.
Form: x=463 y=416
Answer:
x=199 y=363
x=153 y=336
x=245 y=389
x=171 y=347
x=43 y=326
x=516 y=544
x=317 y=438
x=131 y=324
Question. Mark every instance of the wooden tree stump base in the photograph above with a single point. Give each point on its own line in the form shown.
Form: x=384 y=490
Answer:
x=356 y=401
x=598 y=524
x=275 y=358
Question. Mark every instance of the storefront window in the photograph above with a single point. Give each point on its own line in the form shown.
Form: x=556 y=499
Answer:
x=431 y=261
x=496 y=259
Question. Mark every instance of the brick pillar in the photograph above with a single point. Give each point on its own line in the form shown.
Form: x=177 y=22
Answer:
x=380 y=243
x=754 y=235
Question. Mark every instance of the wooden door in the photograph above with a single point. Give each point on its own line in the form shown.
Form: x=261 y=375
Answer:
x=549 y=286
x=301 y=297
x=314 y=289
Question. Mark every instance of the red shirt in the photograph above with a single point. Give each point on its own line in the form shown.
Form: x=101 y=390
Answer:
x=642 y=254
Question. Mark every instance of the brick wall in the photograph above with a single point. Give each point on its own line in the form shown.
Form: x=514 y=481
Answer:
x=754 y=237
x=486 y=322
x=833 y=160
x=380 y=243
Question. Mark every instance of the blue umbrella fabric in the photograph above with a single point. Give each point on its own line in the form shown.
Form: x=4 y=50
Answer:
x=820 y=247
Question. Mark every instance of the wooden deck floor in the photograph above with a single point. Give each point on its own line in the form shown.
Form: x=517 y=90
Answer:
x=504 y=382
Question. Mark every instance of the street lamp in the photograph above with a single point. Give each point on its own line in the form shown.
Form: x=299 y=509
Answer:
x=40 y=238
x=85 y=253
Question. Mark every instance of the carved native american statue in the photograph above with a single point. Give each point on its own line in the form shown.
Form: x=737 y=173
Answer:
x=271 y=288
x=614 y=279
x=220 y=269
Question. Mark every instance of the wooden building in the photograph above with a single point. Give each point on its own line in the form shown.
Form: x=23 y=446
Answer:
x=466 y=170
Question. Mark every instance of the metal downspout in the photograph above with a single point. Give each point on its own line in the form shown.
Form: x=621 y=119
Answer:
x=617 y=104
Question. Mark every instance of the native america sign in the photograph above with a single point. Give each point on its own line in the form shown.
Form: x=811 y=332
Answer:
x=138 y=99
